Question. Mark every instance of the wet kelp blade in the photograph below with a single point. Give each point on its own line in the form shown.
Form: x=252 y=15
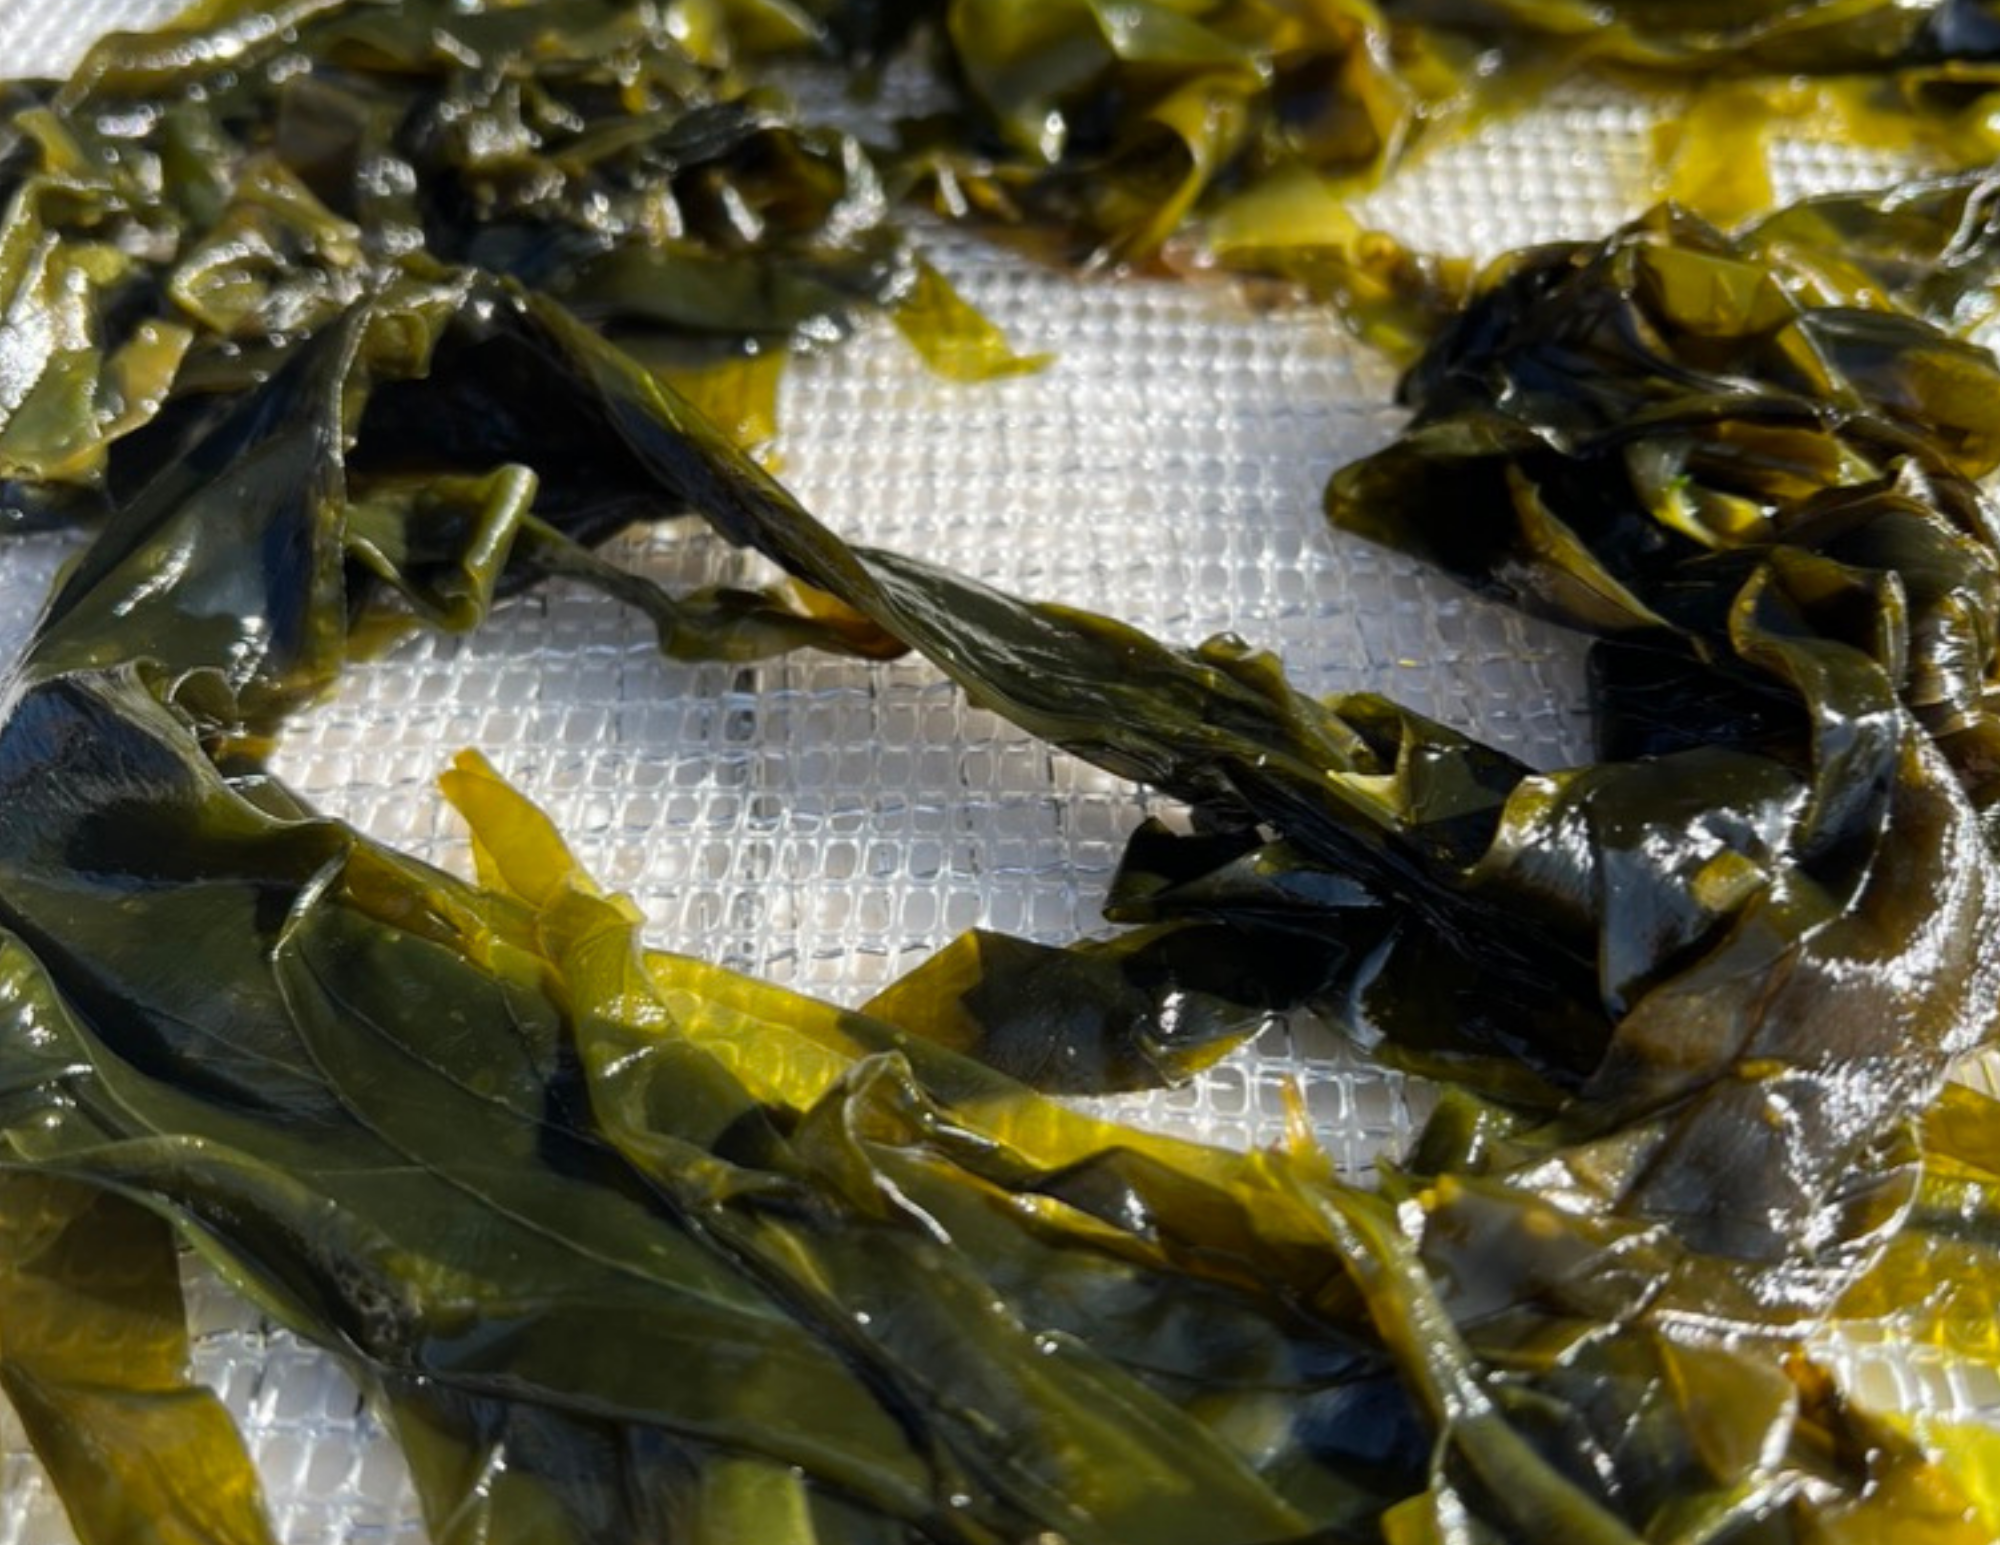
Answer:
x=1284 y=1218
x=94 y=1361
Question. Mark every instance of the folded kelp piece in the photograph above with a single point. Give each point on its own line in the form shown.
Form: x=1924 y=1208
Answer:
x=95 y=1368
x=1691 y=426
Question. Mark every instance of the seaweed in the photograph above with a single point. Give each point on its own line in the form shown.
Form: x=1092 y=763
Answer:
x=194 y=204
x=1236 y=133
x=628 y=1245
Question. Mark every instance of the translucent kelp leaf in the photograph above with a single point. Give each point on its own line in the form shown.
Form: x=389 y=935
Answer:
x=94 y=1359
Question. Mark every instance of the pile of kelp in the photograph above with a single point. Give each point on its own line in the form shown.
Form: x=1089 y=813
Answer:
x=331 y=319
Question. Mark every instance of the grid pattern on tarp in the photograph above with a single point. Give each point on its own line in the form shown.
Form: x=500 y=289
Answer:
x=829 y=823
x=44 y=37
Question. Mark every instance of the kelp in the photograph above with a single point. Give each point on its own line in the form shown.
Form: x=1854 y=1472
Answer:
x=193 y=204
x=627 y=1245
x=1777 y=37
x=1617 y=930
x=1913 y=79
x=679 y=1252
x=1640 y=437
x=1117 y=122
x=656 y=1248
x=1237 y=132
x=94 y=1362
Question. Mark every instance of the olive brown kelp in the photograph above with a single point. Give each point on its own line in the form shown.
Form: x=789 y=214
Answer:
x=1749 y=471
x=1237 y=130
x=629 y=1246
x=94 y=1365
x=1712 y=945
x=1688 y=422
x=676 y=1253
x=1113 y=124
x=194 y=202
x=1775 y=37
